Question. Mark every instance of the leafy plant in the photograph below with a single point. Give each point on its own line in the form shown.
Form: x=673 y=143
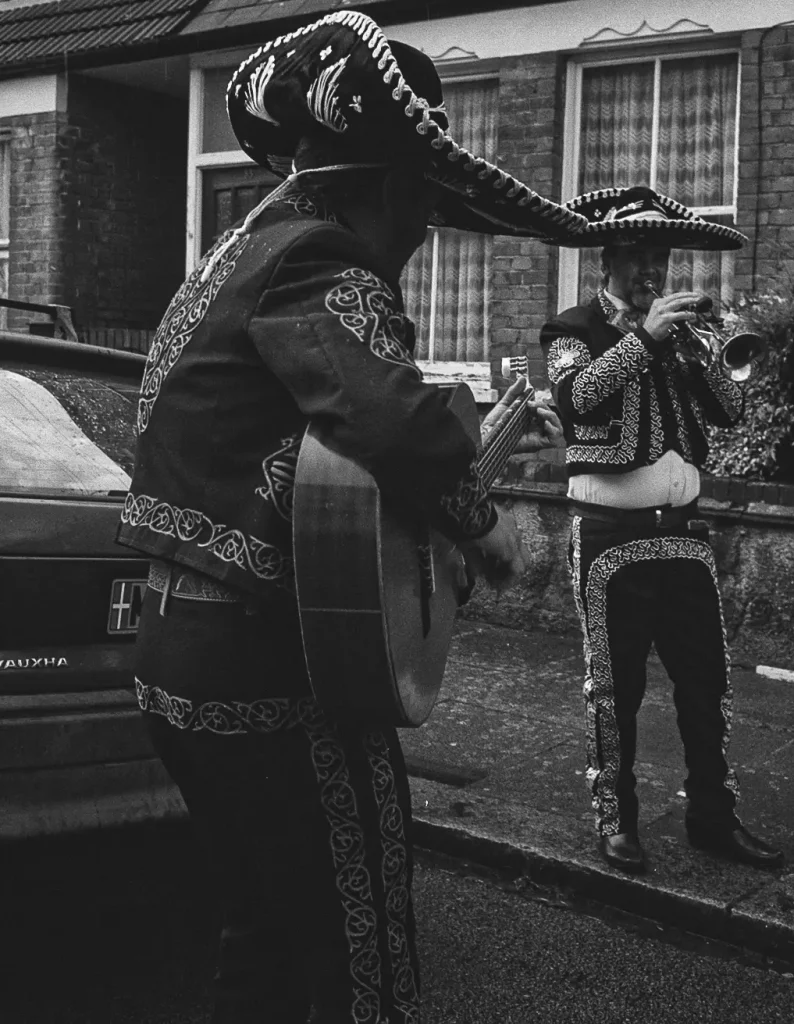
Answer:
x=761 y=447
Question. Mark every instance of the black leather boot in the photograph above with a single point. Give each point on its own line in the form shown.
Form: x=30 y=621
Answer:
x=623 y=851
x=734 y=842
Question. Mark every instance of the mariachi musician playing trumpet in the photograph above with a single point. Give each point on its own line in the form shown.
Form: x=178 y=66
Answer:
x=637 y=375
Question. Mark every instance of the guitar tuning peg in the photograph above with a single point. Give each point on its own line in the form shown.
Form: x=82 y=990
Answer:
x=515 y=366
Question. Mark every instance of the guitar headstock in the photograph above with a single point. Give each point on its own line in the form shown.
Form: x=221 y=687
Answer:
x=514 y=367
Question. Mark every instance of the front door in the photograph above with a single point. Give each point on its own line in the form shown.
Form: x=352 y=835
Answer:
x=229 y=193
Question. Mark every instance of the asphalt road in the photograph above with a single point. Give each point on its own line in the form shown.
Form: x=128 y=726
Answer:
x=117 y=934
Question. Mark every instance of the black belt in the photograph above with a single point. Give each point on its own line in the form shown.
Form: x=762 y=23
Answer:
x=656 y=517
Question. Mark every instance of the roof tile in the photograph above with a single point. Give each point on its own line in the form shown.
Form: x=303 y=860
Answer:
x=33 y=34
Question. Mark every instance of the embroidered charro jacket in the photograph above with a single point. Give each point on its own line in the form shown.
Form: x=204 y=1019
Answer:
x=291 y=321
x=624 y=398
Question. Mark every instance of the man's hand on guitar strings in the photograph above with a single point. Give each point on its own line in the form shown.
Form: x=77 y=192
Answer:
x=502 y=407
x=545 y=427
x=545 y=430
x=500 y=557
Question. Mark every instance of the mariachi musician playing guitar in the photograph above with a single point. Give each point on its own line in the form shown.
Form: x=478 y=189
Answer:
x=292 y=319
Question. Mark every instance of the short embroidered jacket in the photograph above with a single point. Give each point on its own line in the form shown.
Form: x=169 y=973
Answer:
x=625 y=398
x=289 y=323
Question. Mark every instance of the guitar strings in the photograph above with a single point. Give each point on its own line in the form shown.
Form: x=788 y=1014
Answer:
x=499 y=447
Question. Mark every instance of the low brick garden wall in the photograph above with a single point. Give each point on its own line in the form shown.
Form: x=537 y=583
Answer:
x=752 y=528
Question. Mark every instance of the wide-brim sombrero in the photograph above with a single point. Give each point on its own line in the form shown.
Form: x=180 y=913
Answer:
x=641 y=216
x=340 y=77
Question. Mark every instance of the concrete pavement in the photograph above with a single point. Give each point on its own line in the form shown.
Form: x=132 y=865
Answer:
x=498 y=779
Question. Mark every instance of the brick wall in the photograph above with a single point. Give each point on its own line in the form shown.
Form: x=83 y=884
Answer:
x=98 y=205
x=524 y=283
x=124 y=151
x=766 y=159
x=38 y=212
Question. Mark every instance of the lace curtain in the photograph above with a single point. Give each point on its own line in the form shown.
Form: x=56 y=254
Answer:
x=696 y=126
x=447 y=282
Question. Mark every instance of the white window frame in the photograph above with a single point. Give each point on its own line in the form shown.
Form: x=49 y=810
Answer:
x=197 y=161
x=568 y=271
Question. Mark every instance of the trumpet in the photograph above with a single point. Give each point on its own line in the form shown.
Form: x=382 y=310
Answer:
x=703 y=340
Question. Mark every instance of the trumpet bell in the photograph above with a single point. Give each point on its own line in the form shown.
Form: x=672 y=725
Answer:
x=739 y=353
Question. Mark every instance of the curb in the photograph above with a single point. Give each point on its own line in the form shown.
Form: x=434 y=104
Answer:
x=773 y=672
x=610 y=888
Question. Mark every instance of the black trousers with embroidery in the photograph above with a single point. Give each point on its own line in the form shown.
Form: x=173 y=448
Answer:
x=304 y=822
x=634 y=590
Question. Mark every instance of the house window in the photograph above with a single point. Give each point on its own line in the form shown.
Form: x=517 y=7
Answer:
x=447 y=282
x=5 y=217
x=669 y=122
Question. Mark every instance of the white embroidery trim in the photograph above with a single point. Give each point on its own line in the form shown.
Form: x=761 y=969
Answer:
x=626 y=448
x=187 y=524
x=279 y=469
x=395 y=878
x=565 y=356
x=338 y=799
x=184 y=314
x=365 y=306
x=323 y=97
x=266 y=715
x=602 y=774
x=611 y=371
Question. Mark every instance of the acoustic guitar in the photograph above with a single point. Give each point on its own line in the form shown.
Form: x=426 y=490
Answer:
x=377 y=593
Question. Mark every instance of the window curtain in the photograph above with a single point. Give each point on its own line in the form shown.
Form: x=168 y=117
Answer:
x=614 y=143
x=697 y=124
x=695 y=163
x=447 y=282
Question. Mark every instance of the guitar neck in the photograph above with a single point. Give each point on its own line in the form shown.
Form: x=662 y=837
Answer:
x=502 y=442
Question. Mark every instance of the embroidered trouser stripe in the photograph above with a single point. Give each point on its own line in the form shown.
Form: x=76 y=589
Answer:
x=305 y=822
x=663 y=591
x=338 y=824
x=395 y=878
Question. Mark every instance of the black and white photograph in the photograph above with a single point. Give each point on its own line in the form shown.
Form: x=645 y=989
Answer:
x=396 y=512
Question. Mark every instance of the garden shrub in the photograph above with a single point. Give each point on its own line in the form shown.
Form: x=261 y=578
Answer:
x=761 y=447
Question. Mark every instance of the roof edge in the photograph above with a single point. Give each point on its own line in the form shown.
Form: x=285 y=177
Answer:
x=388 y=12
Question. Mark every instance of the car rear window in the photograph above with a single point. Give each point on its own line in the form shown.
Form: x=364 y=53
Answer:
x=66 y=431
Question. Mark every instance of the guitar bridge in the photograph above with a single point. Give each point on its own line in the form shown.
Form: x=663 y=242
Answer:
x=427 y=572
x=427 y=578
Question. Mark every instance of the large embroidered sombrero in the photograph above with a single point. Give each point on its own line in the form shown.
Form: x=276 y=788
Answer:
x=341 y=78
x=642 y=216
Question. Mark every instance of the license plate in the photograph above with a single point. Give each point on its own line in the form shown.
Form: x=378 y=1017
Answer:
x=126 y=597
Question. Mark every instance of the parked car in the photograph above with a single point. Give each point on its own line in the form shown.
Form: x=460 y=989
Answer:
x=73 y=750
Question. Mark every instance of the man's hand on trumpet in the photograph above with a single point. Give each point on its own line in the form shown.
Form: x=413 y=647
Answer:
x=668 y=310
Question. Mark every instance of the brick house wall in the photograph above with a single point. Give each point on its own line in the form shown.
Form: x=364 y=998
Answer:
x=98 y=197
x=125 y=154
x=524 y=282
x=766 y=160
x=39 y=201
